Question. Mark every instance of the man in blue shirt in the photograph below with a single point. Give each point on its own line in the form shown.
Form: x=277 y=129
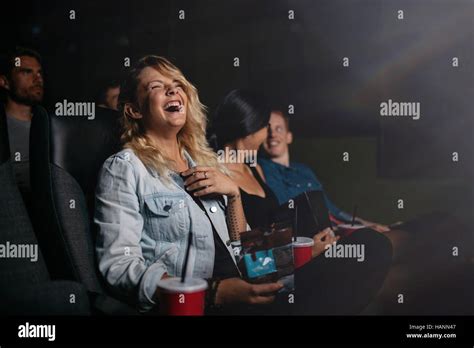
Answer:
x=289 y=179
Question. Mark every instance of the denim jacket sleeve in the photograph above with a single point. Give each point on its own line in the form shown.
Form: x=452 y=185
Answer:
x=120 y=226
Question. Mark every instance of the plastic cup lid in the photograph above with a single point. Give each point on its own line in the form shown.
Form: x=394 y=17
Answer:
x=303 y=242
x=174 y=285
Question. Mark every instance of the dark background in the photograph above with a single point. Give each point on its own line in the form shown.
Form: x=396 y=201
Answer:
x=297 y=62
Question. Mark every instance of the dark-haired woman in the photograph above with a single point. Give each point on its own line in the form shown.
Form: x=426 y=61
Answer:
x=324 y=285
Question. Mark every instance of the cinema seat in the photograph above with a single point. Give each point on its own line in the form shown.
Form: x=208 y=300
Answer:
x=25 y=284
x=66 y=153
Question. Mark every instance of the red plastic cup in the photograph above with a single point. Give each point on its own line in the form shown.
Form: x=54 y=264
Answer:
x=177 y=298
x=302 y=251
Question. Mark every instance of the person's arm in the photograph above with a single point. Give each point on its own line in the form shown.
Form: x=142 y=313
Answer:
x=236 y=221
x=373 y=225
x=120 y=226
x=204 y=181
x=236 y=290
x=335 y=211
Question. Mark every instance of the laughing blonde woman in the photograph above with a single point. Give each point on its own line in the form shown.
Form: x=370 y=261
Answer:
x=165 y=183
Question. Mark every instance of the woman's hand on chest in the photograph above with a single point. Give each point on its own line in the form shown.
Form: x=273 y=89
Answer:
x=202 y=181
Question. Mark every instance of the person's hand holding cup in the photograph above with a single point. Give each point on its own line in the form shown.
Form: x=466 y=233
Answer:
x=322 y=240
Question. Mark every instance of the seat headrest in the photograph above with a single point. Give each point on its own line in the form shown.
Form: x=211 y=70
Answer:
x=76 y=144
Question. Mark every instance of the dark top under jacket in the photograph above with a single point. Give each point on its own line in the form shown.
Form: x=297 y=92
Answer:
x=224 y=267
x=259 y=211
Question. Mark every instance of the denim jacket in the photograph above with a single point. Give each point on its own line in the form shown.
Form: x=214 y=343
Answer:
x=143 y=227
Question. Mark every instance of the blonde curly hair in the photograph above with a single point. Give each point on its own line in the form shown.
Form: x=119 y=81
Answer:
x=192 y=137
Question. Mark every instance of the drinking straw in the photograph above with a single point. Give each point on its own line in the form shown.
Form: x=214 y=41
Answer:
x=185 y=264
x=354 y=215
x=295 y=223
